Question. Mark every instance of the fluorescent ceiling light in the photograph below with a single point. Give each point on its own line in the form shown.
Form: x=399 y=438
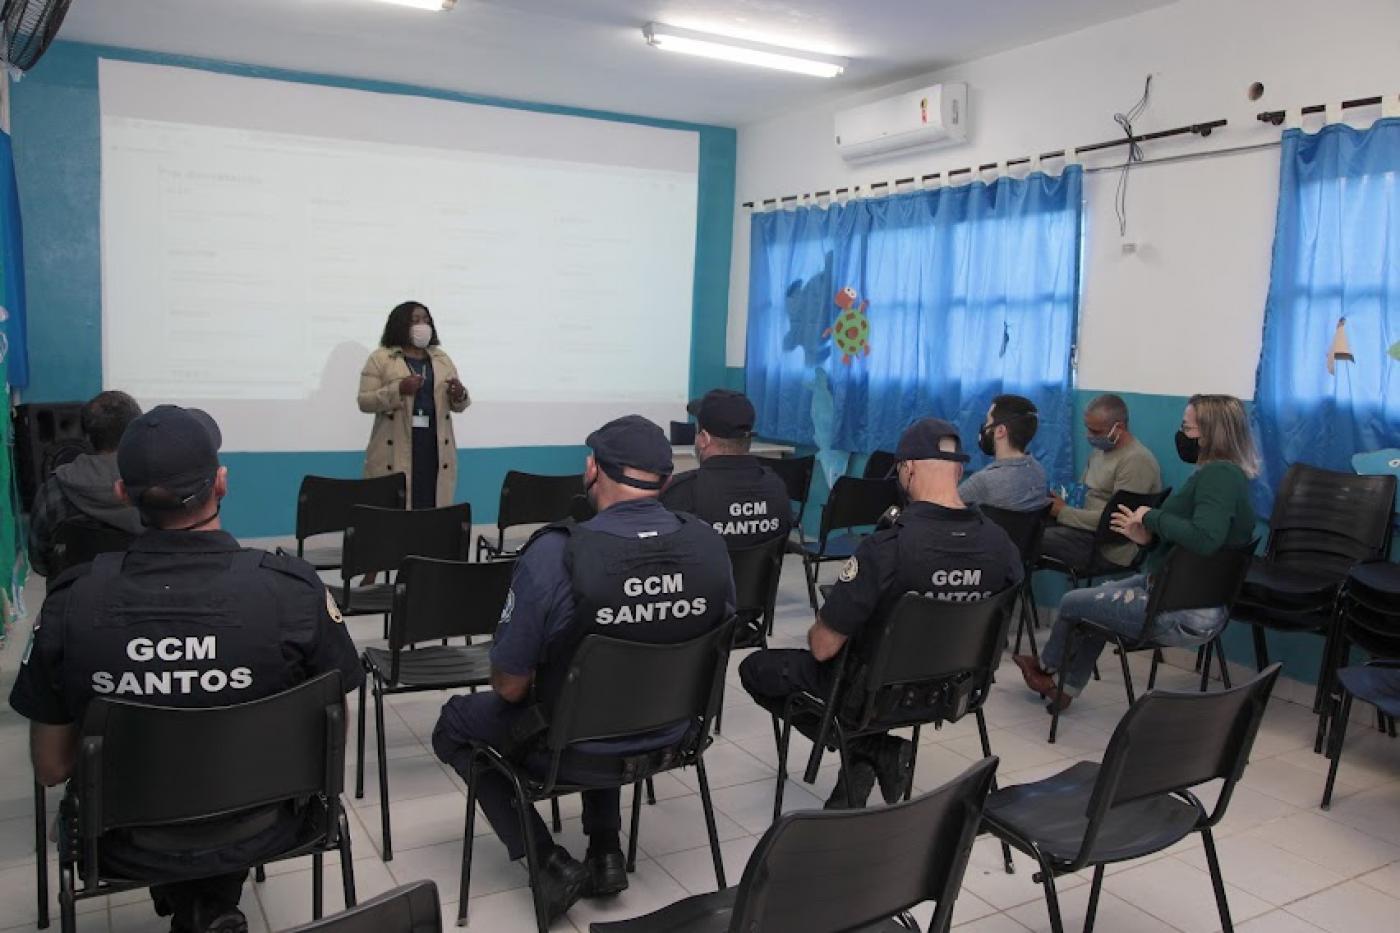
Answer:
x=440 y=6
x=690 y=42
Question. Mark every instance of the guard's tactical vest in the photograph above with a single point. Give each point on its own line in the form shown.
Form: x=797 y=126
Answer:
x=660 y=589
x=746 y=507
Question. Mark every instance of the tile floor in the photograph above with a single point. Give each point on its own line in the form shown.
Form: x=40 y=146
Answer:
x=1288 y=866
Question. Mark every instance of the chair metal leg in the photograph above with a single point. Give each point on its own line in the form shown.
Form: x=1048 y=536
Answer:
x=556 y=819
x=1217 y=882
x=468 y=844
x=809 y=570
x=360 y=752
x=1261 y=647
x=347 y=860
x=1338 y=734
x=1152 y=671
x=1052 y=899
x=260 y=874
x=784 y=740
x=636 y=826
x=67 y=904
x=318 y=884
x=710 y=822
x=1127 y=673
x=913 y=763
x=41 y=855
x=381 y=745
x=532 y=863
x=1202 y=656
x=1224 y=664
x=1094 y=890
x=651 y=793
x=1060 y=687
x=987 y=753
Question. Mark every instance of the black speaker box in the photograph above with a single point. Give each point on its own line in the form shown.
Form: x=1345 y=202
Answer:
x=47 y=435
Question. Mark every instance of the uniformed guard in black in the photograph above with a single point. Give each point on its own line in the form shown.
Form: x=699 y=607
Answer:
x=937 y=546
x=742 y=499
x=186 y=618
x=634 y=571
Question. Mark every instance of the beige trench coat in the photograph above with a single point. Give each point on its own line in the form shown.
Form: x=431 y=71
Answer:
x=391 y=439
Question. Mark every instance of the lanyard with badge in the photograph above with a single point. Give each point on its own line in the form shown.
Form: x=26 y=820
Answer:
x=420 y=417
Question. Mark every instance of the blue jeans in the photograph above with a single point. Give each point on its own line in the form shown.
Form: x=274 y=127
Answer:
x=1120 y=606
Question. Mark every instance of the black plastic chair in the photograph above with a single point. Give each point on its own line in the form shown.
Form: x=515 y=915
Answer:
x=323 y=506
x=157 y=767
x=796 y=474
x=825 y=872
x=412 y=908
x=682 y=433
x=931 y=661
x=1323 y=524
x=1098 y=567
x=757 y=571
x=854 y=503
x=77 y=541
x=615 y=689
x=529 y=499
x=1139 y=800
x=377 y=540
x=1188 y=581
x=880 y=465
x=1367 y=618
x=1026 y=529
x=1376 y=682
x=433 y=599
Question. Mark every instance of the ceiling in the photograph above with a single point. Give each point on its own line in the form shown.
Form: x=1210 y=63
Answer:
x=590 y=53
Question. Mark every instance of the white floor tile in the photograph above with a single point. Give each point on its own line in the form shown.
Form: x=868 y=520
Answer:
x=1337 y=847
x=1350 y=908
x=1275 y=875
x=695 y=870
x=1181 y=896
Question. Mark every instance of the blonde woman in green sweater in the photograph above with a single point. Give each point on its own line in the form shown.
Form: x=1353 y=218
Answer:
x=1209 y=512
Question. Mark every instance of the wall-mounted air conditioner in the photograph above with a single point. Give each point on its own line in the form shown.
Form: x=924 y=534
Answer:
x=933 y=116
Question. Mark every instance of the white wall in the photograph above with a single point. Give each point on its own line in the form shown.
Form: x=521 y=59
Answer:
x=1181 y=314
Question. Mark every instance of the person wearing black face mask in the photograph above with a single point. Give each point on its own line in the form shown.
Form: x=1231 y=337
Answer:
x=1014 y=479
x=233 y=626
x=936 y=545
x=1210 y=512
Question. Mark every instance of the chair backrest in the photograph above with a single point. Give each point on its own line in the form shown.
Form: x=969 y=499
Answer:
x=1025 y=528
x=935 y=656
x=617 y=688
x=533 y=499
x=446 y=599
x=796 y=474
x=1171 y=742
x=1104 y=533
x=379 y=539
x=879 y=465
x=323 y=502
x=1325 y=521
x=1199 y=581
x=412 y=908
x=757 y=570
x=856 y=502
x=848 y=869
x=78 y=541
x=682 y=433
x=141 y=765
x=1369 y=609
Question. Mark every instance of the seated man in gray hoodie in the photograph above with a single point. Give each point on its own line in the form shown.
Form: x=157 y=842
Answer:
x=85 y=489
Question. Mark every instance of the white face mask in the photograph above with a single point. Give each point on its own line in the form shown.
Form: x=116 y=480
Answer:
x=421 y=335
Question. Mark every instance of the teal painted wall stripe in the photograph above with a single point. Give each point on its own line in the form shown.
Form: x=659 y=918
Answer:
x=56 y=123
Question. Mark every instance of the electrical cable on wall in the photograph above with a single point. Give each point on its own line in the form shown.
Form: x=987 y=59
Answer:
x=1125 y=120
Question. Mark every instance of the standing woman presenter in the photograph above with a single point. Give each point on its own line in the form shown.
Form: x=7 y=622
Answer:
x=411 y=387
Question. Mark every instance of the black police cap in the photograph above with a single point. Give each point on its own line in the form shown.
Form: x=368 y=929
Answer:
x=724 y=413
x=631 y=441
x=920 y=441
x=174 y=448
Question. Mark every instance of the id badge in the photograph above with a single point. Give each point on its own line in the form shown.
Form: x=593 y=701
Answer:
x=421 y=421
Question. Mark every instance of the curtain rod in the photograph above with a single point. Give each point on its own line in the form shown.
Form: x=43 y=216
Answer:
x=1199 y=129
x=1276 y=117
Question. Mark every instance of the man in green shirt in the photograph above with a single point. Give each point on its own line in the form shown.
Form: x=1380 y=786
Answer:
x=1118 y=462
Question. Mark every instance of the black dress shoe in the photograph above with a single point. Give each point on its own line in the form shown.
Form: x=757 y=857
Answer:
x=853 y=787
x=226 y=920
x=607 y=874
x=892 y=759
x=561 y=882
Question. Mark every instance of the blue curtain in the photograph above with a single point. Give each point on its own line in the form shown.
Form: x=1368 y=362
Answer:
x=13 y=343
x=866 y=316
x=1336 y=261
